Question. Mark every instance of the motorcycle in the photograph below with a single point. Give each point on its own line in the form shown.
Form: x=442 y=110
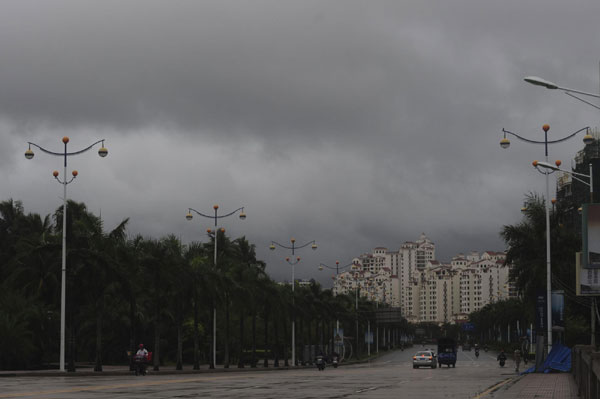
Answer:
x=334 y=362
x=477 y=353
x=320 y=362
x=502 y=359
x=140 y=365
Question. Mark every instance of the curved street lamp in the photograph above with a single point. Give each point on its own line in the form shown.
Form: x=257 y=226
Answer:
x=505 y=143
x=103 y=152
x=293 y=263
x=337 y=267
x=216 y=218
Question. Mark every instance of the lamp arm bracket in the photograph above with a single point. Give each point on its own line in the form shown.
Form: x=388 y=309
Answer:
x=201 y=214
x=544 y=171
x=549 y=141
x=281 y=245
x=582 y=100
x=567 y=90
x=329 y=267
x=307 y=244
x=580 y=180
x=230 y=213
x=62 y=154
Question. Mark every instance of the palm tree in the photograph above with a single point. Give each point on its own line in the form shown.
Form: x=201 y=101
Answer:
x=248 y=269
x=198 y=262
x=181 y=289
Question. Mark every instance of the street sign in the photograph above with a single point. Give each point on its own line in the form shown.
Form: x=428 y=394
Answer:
x=369 y=337
x=388 y=315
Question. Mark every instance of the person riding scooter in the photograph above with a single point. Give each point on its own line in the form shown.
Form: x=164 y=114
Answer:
x=335 y=358
x=320 y=361
x=501 y=358
x=141 y=357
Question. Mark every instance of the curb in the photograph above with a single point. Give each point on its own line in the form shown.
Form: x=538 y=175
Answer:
x=126 y=371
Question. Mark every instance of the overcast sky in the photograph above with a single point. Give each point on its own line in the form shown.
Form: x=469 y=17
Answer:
x=353 y=123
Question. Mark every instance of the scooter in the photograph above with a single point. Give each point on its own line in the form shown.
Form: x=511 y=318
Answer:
x=477 y=353
x=320 y=362
x=334 y=362
x=140 y=365
x=502 y=362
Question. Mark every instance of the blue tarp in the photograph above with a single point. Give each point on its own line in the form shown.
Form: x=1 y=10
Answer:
x=559 y=359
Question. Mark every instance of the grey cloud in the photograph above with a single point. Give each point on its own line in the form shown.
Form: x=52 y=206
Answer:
x=354 y=123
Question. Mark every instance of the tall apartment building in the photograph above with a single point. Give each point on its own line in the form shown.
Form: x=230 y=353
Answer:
x=424 y=288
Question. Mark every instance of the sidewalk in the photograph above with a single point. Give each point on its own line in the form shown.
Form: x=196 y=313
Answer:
x=539 y=386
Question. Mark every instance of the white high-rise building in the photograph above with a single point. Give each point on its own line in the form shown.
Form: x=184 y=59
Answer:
x=424 y=288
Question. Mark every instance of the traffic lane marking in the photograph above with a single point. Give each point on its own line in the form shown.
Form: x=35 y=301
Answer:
x=492 y=388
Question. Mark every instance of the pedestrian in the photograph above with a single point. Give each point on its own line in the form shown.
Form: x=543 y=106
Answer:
x=517 y=356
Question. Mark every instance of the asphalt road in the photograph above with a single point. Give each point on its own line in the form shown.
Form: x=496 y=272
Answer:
x=391 y=376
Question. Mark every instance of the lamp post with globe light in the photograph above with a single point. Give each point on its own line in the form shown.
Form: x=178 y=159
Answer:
x=537 y=81
x=293 y=263
x=216 y=231
x=505 y=143
x=29 y=154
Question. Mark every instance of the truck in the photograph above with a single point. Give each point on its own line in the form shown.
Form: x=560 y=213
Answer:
x=447 y=352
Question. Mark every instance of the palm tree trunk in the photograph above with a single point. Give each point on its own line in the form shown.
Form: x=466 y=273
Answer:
x=211 y=323
x=241 y=358
x=300 y=340
x=285 y=341
x=323 y=334
x=156 y=338
x=98 y=366
x=266 y=345
x=132 y=321
x=276 y=342
x=156 y=346
x=196 y=338
x=253 y=362
x=179 y=345
x=227 y=337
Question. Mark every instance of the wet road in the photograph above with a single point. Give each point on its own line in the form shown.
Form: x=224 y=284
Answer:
x=391 y=376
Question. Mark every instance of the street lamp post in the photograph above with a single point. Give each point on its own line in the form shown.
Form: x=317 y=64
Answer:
x=553 y=86
x=292 y=263
x=63 y=291
x=577 y=176
x=355 y=275
x=505 y=143
x=216 y=217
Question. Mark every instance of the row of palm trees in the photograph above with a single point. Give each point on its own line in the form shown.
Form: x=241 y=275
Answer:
x=123 y=291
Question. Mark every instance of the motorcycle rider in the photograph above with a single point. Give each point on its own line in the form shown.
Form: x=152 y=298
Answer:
x=141 y=356
x=501 y=357
x=321 y=360
x=335 y=358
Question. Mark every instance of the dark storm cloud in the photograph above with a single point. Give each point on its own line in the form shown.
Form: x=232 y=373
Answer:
x=355 y=123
